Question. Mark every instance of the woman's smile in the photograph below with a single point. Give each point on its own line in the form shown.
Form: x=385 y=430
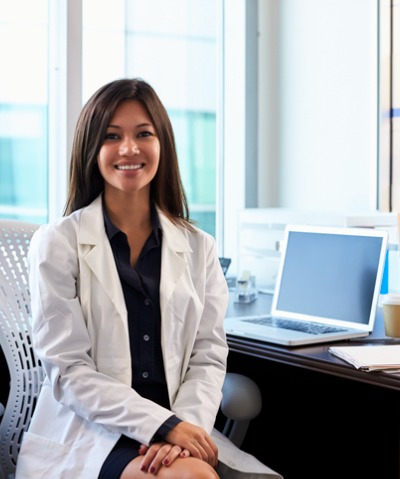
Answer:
x=129 y=167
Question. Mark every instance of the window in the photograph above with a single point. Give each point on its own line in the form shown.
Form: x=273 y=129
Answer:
x=316 y=99
x=394 y=108
x=175 y=53
x=229 y=73
x=23 y=110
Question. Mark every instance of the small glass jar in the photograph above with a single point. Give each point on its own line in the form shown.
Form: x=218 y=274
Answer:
x=246 y=291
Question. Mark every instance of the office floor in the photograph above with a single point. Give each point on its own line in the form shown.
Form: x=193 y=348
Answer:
x=307 y=427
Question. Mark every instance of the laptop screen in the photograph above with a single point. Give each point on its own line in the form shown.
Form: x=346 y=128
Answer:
x=330 y=273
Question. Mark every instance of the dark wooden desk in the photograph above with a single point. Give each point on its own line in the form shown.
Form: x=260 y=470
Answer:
x=310 y=399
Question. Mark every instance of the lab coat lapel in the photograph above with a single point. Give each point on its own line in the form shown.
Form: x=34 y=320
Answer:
x=96 y=251
x=173 y=264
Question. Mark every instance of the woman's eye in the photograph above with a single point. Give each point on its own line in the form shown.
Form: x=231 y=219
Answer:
x=111 y=136
x=145 y=134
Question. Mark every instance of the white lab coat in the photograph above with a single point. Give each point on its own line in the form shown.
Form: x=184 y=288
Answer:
x=80 y=334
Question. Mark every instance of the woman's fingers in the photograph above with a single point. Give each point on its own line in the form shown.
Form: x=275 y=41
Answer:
x=185 y=453
x=196 y=440
x=158 y=455
x=207 y=448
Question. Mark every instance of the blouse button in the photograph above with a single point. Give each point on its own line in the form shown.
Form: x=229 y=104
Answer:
x=145 y=374
x=146 y=302
x=146 y=337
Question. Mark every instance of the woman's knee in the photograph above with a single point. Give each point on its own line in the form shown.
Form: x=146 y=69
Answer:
x=192 y=468
x=182 y=468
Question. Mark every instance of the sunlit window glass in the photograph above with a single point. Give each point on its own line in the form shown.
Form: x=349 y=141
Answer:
x=395 y=112
x=23 y=110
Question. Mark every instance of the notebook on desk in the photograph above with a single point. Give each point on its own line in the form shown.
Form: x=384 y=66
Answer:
x=327 y=287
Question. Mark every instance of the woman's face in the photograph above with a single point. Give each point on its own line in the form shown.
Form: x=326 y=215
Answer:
x=129 y=156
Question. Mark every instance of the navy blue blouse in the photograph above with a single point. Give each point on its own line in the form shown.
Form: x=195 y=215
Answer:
x=141 y=288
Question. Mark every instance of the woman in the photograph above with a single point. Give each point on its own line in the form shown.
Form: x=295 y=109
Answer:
x=128 y=303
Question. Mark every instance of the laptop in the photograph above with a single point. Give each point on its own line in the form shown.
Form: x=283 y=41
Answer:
x=327 y=288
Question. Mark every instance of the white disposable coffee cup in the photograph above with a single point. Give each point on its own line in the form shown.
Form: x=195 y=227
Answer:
x=391 y=314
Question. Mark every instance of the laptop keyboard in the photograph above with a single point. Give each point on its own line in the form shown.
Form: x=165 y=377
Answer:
x=311 y=328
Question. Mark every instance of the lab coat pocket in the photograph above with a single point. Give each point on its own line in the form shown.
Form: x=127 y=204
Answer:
x=45 y=458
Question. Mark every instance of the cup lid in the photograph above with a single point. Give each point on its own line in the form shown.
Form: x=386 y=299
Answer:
x=391 y=298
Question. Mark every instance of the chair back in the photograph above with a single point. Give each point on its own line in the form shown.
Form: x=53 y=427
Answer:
x=26 y=374
x=242 y=397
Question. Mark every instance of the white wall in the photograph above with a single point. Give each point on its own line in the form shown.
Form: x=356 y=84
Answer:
x=324 y=112
x=318 y=108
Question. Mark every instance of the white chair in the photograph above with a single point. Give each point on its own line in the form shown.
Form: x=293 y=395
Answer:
x=26 y=374
x=241 y=396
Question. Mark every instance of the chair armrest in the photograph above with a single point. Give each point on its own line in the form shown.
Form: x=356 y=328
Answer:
x=241 y=402
x=241 y=399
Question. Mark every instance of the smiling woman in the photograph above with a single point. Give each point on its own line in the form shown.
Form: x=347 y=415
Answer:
x=128 y=309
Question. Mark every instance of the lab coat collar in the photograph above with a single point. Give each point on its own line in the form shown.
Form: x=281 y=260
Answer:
x=95 y=249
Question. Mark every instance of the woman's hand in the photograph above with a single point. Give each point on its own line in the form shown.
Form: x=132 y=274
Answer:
x=195 y=441
x=159 y=454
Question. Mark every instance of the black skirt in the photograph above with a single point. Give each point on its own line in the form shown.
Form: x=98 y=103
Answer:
x=120 y=456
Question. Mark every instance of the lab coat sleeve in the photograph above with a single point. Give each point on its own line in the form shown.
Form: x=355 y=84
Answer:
x=199 y=396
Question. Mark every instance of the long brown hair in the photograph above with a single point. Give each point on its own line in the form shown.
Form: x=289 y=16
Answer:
x=85 y=180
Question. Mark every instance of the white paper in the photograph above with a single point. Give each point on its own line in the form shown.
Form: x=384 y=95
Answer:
x=370 y=357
